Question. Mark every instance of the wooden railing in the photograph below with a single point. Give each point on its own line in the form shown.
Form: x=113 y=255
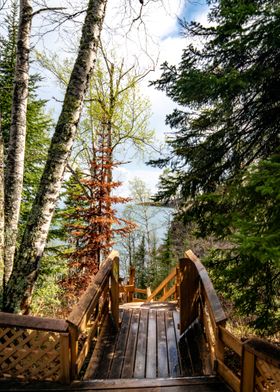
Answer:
x=168 y=288
x=90 y=312
x=33 y=348
x=259 y=361
x=129 y=289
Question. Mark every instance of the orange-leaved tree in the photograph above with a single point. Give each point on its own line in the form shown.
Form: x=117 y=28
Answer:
x=93 y=222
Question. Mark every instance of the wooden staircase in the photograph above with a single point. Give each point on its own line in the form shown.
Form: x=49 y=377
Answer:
x=150 y=345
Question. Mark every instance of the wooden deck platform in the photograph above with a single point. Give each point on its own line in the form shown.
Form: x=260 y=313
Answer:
x=146 y=346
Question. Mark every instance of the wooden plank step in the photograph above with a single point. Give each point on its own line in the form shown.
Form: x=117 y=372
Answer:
x=102 y=352
x=188 y=384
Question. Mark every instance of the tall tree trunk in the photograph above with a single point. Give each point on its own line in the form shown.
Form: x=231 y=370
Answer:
x=20 y=286
x=2 y=222
x=15 y=159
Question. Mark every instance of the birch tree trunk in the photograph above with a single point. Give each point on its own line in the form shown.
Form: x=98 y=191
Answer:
x=17 y=294
x=1 y=196
x=15 y=159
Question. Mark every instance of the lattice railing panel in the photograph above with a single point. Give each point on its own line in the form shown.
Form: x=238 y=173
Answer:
x=29 y=354
x=267 y=377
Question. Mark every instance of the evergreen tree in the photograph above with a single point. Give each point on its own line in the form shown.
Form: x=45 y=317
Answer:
x=249 y=271
x=93 y=223
x=7 y=68
x=230 y=87
x=140 y=263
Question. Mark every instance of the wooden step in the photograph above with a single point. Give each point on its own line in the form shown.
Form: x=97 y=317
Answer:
x=182 y=384
x=147 y=346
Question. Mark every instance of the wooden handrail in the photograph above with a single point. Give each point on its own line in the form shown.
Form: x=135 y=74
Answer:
x=24 y=337
x=163 y=284
x=92 y=309
x=31 y=322
x=260 y=361
x=78 y=316
x=211 y=297
x=263 y=350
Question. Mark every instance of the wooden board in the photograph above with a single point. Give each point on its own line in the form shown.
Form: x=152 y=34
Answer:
x=187 y=293
x=200 y=384
x=141 y=348
x=146 y=346
x=172 y=348
x=119 y=354
x=162 y=352
x=215 y=307
x=129 y=360
x=31 y=322
x=151 y=362
x=102 y=353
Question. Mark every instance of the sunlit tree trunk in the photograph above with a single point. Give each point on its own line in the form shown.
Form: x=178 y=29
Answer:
x=15 y=159
x=20 y=286
x=1 y=196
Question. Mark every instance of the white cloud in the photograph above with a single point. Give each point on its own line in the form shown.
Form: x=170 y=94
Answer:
x=148 y=44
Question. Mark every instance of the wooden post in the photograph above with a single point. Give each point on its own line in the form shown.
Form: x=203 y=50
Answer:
x=248 y=371
x=131 y=283
x=65 y=363
x=74 y=350
x=115 y=292
x=189 y=285
x=177 y=283
x=219 y=345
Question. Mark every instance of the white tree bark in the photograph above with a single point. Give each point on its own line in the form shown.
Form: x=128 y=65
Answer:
x=2 y=222
x=15 y=159
x=19 y=289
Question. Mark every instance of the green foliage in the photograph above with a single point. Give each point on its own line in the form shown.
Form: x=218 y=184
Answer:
x=139 y=260
x=7 y=66
x=249 y=271
x=48 y=294
x=145 y=216
x=113 y=99
x=38 y=123
x=230 y=86
x=163 y=261
x=223 y=163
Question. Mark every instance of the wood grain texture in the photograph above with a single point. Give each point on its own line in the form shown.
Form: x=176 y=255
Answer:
x=31 y=322
x=129 y=360
x=162 y=285
x=146 y=346
x=162 y=353
x=215 y=306
x=198 y=384
x=151 y=363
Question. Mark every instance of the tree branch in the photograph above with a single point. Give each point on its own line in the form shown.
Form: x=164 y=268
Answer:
x=47 y=9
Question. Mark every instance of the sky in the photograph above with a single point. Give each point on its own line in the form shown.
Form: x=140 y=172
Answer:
x=168 y=43
x=148 y=42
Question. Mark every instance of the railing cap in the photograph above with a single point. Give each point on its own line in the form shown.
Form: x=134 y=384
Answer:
x=263 y=350
x=31 y=322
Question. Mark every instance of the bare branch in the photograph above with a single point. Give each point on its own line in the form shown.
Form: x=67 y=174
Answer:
x=2 y=4
x=48 y=9
x=77 y=179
